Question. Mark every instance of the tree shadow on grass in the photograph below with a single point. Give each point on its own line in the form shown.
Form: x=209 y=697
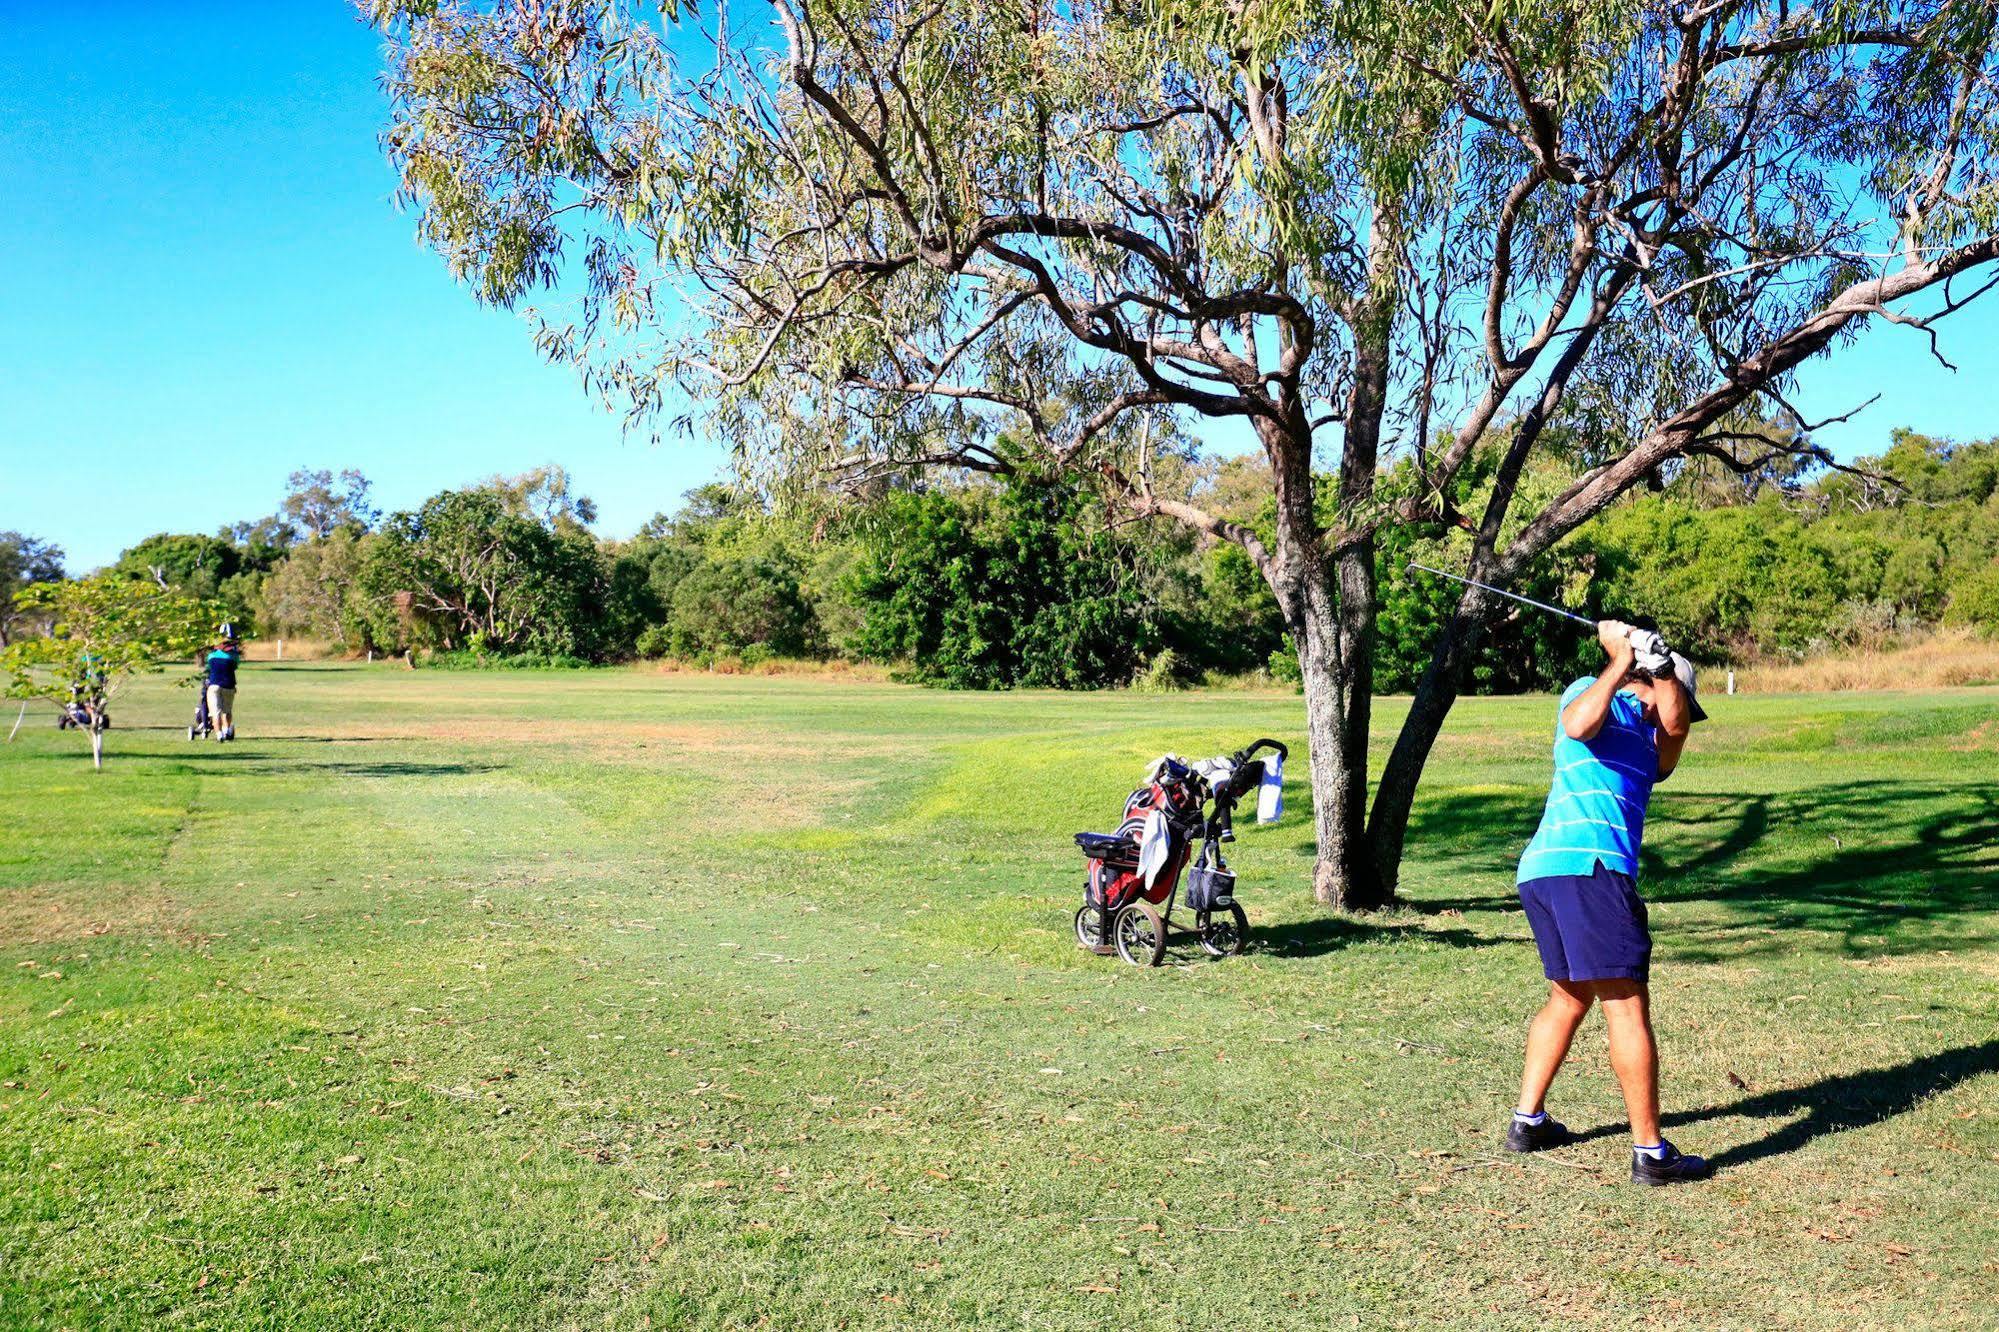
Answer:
x=1320 y=935
x=323 y=739
x=377 y=768
x=222 y=760
x=1865 y=861
x=1835 y=1104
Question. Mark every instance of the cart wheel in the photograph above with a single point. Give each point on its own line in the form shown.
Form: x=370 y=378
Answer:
x=1090 y=931
x=1223 y=933
x=1141 y=935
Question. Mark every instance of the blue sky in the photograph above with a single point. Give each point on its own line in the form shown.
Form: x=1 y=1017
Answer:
x=207 y=286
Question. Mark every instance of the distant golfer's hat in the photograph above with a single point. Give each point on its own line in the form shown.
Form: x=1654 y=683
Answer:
x=1683 y=671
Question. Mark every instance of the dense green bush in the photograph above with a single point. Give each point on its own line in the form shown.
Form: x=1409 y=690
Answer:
x=729 y=607
x=474 y=660
x=998 y=587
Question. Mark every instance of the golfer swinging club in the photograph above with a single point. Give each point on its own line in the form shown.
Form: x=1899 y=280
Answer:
x=1619 y=734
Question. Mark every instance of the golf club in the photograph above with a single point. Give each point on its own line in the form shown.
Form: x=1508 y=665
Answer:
x=1511 y=596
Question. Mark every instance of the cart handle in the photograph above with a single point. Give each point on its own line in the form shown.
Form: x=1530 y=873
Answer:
x=1243 y=755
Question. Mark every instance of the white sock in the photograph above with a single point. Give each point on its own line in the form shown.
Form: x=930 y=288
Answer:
x=1657 y=1151
x=1538 y=1118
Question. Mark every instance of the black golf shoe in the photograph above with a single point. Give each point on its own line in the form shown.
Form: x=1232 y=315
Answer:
x=1675 y=1167
x=1524 y=1137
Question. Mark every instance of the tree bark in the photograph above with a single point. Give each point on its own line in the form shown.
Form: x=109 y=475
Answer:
x=1331 y=627
x=1347 y=877
x=1336 y=744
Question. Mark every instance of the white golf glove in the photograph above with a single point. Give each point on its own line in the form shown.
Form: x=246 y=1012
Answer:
x=1650 y=653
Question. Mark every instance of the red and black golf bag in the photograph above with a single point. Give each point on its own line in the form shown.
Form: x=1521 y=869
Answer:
x=1177 y=795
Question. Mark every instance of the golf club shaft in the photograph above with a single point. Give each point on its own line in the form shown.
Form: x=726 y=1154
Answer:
x=1511 y=596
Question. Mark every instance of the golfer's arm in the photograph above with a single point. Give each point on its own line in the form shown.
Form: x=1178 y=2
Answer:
x=1675 y=720
x=1582 y=719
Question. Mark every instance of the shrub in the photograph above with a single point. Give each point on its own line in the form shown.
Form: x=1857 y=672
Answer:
x=1164 y=673
x=1974 y=603
x=729 y=607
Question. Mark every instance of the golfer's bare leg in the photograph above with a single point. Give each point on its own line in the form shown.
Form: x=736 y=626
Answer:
x=1548 y=1038
x=1634 y=1057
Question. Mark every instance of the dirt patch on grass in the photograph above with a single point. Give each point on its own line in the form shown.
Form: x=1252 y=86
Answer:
x=1985 y=735
x=47 y=914
x=637 y=742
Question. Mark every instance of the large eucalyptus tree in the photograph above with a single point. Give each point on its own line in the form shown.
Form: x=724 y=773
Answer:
x=996 y=234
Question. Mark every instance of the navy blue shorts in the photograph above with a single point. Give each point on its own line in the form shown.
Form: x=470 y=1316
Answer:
x=1589 y=926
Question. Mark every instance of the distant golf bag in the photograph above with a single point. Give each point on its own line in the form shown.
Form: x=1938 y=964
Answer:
x=1134 y=873
x=200 y=727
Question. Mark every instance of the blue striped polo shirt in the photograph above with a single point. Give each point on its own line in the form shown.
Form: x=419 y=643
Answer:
x=1596 y=806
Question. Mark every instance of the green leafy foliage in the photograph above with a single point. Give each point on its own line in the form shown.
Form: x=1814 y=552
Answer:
x=312 y=591
x=24 y=561
x=982 y=583
x=1788 y=574
x=320 y=503
x=997 y=589
x=102 y=630
x=468 y=572
x=187 y=561
x=728 y=607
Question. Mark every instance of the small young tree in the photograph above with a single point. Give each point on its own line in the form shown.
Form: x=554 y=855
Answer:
x=881 y=234
x=103 y=631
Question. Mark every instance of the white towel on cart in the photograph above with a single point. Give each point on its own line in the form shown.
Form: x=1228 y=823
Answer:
x=1155 y=847
x=1270 y=795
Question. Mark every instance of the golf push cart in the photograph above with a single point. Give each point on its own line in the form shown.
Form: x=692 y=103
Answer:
x=1134 y=873
x=85 y=709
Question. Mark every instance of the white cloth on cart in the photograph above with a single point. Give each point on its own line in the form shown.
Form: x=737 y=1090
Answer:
x=1155 y=847
x=1270 y=795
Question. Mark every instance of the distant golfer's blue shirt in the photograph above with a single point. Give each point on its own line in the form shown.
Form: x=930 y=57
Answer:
x=222 y=669
x=1596 y=806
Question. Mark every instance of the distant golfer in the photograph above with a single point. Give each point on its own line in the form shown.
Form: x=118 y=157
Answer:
x=221 y=683
x=1619 y=734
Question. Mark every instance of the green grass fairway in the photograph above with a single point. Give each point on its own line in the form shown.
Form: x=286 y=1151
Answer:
x=611 y=999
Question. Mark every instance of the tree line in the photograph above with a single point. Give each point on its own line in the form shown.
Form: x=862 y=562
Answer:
x=1030 y=581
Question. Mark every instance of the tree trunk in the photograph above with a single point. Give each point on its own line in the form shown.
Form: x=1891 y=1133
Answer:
x=1332 y=634
x=1336 y=740
x=97 y=748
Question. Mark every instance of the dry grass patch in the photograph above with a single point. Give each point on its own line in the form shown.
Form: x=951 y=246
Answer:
x=52 y=913
x=1945 y=661
x=293 y=649
x=786 y=667
x=607 y=740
